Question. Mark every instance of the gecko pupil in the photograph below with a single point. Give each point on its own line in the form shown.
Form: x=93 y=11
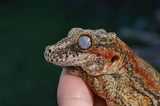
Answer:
x=84 y=42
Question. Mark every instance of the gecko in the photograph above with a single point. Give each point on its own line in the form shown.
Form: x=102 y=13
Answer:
x=110 y=68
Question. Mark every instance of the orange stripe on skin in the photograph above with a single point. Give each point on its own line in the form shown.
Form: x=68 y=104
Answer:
x=134 y=91
x=127 y=76
x=129 y=84
x=130 y=99
x=107 y=55
x=147 y=101
x=147 y=78
x=139 y=94
x=125 y=101
x=101 y=83
x=134 y=60
x=133 y=98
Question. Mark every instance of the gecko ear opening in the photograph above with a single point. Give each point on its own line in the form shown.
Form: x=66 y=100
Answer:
x=114 y=58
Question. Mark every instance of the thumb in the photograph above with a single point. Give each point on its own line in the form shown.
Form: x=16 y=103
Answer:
x=73 y=91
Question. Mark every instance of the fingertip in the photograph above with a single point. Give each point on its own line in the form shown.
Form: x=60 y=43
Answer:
x=73 y=91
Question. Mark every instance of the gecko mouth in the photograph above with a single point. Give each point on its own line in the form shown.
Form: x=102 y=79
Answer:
x=68 y=62
x=72 y=67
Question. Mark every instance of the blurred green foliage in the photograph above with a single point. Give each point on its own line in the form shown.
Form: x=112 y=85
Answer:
x=28 y=26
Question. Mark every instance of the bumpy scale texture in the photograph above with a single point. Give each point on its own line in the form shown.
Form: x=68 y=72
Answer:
x=111 y=69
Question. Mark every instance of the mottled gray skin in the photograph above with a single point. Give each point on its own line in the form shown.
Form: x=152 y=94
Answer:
x=112 y=70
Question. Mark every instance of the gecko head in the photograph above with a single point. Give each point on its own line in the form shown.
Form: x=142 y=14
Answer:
x=95 y=51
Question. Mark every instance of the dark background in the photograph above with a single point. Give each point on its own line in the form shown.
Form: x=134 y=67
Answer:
x=28 y=26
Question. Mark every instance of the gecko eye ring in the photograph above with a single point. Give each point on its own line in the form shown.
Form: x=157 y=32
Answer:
x=84 y=42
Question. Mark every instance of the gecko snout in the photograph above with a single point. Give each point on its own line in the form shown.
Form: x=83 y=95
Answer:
x=47 y=52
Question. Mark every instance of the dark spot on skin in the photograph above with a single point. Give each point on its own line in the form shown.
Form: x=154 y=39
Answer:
x=66 y=55
x=60 y=54
x=54 y=56
x=49 y=50
x=98 y=55
x=113 y=43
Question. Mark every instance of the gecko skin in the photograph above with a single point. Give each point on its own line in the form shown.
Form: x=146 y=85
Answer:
x=111 y=69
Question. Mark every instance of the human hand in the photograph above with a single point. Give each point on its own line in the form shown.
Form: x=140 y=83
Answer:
x=73 y=91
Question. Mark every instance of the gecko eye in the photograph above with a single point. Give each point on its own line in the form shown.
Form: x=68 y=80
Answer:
x=84 y=42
